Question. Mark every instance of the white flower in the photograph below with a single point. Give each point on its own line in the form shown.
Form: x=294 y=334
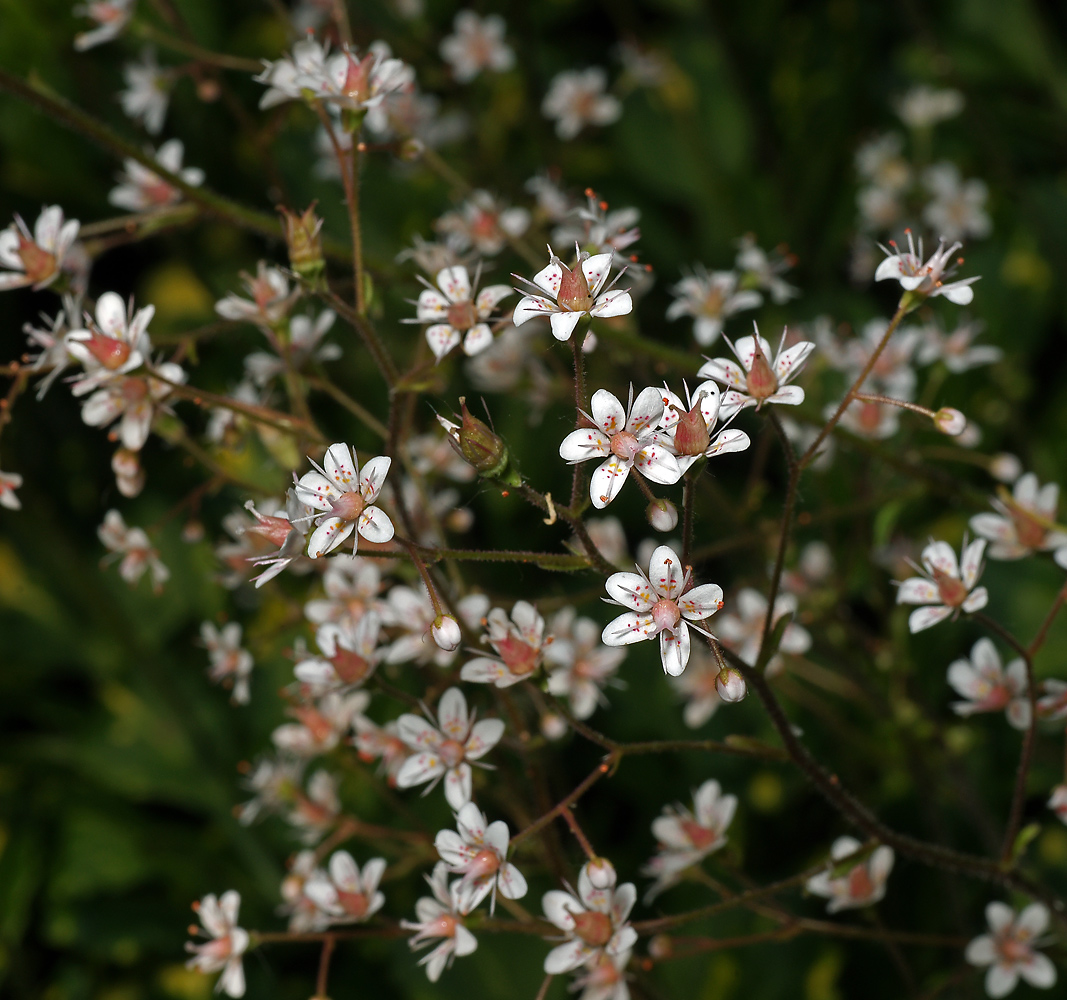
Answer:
x=230 y=664
x=879 y=161
x=346 y=894
x=743 y=632
x=380 y=743
x=988 y=687
x=49 y=340
x=456 y=312
x=439 y=918
x=627 y=438
x=315 y=813
x=1058 y=803
x=303 y=913
x=957 y=349
x=320 y=726
x=577 y=98
x=925 y=280
x=604 y=978
x=305 y=333
x=699 y=688
x=478 y=852
x=445 y=749
x=286 y=529
x=568 y=294
x=270 y=298
x=38 y=258
x=580 y=665
x=764 y=270
x=594 y=918
x=518 y=640
x=133 y=546
x=140 y=189
x=134 y=398
x=350 y=651
x=111 y=16
x=596 y=229
x=957 y=209
x=923 y=106
x=662 y=602
x=147 y=92
x=1026 y=522
x=893 y=373
x=758 y=380
x=228 y=942
x=478 y=43
x=115 y=344
x=273 y=782
x=9 y=482
x=348 y=498
x=689 y=426
x=861 y=885
x=686 y=838
x=1010 y=949
x=285 y=78
x=710 y=297
x=482 y=222
x=352 y=585
x=947 y=586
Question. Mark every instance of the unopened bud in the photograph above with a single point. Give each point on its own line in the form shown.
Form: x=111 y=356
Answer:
x=662 y=515
x=446 y=633
x=304 y=240
x=476 y=443
x=660 y=947
x=553 y=727
x=730 y=685
x=950 y=421
x=1006 y=467
x=601 y=873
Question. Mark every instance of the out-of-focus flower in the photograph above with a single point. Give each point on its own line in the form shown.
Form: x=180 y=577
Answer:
x=1058 y=803
x=580 y=665
x=303 y=912
x=861 y=885
x=577 y=98
x=698 y=687
x=478 y=852
x=988 y=686
x=923 y=106
x=662 y=602
x=350 y=655
x=596 y=230
x=457 y=312
x=710 y=297
x=9 y=482
x=477 y=44
x=956 y=350
x=347 y=894
x=147 y=92
x=135 y=550
x=305 y=335
x=1025 y=521
x=482 y=222
x=352 y=586
x=36 y=259
x=1010 y=949
x=320 y=725
x=925 y=280
x=140 y=189
x=315 y=813
x=760 y=269
x=879 y=161
x=947 y=585
x=134 y=398
x=230 y=664
x=957 y=208
x=270 y=298
x=438 y=918
x=227 y=945
x=115 y=344
x=743 y=632
x=518 y=640
x=111 y=16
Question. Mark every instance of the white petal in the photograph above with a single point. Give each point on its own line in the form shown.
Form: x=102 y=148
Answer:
x=607 y=480
x=665 y=571
x=452 y=714
x=584 y=444
x=630 y=590
x=372 y=478
x=787 y=363
x=924 y=618
x=374 y=525
x=647 y=409
x=608 y=412
x=725 y=371
x=442 y=338
x=617 y=302
x=549 y=278
x=701 y=602
x=563 y=324
x=328 y=535
x=479 y=337
x=917 y=590
x=628 y=628
x=674 y=649
x=976 y=600
x=455 y=283
x=596 y=270
x=531 y=306
x=655 y=462
x=512 y=885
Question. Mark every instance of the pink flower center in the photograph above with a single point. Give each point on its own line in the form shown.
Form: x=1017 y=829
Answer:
x=519 y=657
x=625 y=445
x=574 y=291
x=443 y=926
x=713 y=303
x=691 y=433
x=348 y=506
x=109 y=351
x=159 y=192
x=761 y=381
x=1030 y=532
x=860 y=884
x=1015 y=951
x=37 y=262
x=355 y=904
x=462 y=315
x=593 y=927
x=451 y=752
x=951 y=589
x=220 y=949
x=483 y=864
x=350 y=666
x=665 y=614
x=134 y=389
x=870 y=417
x=274 y=529
x=357 y=78
x=699 y=836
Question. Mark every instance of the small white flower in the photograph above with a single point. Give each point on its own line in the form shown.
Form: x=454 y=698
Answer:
x=594 y=919
x=135 y=399
x=478 y=44
x=286 y=78
x=596 y=229
x=9 y=482
x=273 y=782
x=763 y=270
x=305 y=334
x=1025 y=522
x=320 y=726
x=147 y=92
x=758 y=380
x=863 y=883
x=686 y=838
x=923 y=106
x=352 y=585
x=699 y=688
x=710 y=297
x=957 y=209
x=35 y=259
x=478 y=852
x=315 y=813
x=988 y=687
x=482 y=222
x=286 y=529
x=743 y=632
x=880 y=162
x=140 y=189
x=351 y=655
x=111 y=16
x=580 y=665
x=662 y=602
x=348 y=497
x=577 y=98
x=439 y=919
x=947 y=585
x=270 y=301
x=303 y=913
x=925 y=279
x=518 y=640
x=457 y=312
x=1010 y=950
x=957 y=350
x=133 y=546
x=346 y=894
x=228 y=942
x=445 y=749
x=230 y=664
x=1058 y=803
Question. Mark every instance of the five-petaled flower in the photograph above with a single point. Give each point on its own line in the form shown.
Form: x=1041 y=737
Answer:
x=1010 y=949
x=1025 y=521
x=228 y=942
x=988 y=686
x=858 y=885
x=347 y=496
x=35 y=259
x=947 y=586
x=347 y=894
x=456 y=311
x=519 y=641
x=230 y=663
x=478 y=852
x=662 y=604
x=566 y=294
x=140 y=189
x=710 y=297
x=925 y=280
x=439 y=919
x=478 y=43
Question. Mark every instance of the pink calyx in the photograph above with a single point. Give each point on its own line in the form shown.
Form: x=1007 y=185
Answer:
x=666 y=614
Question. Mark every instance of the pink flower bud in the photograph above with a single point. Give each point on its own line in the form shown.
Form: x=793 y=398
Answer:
x=730 y=685
x=446 y=633
x=950 y=421
x=601 y=873
x=1005 y=467
x=662 y=515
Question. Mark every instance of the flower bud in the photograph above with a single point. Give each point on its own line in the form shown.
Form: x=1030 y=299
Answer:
x=553 y=727
x=691 y=432
x=476 y=443
x=601 y=873
x=950 y=421
x=446 y=633
x=662 y=515
x=730 y=685
x=411 y=149
x=1005 y=467
x=129 y=476
x=304 y=240
x=660 y=946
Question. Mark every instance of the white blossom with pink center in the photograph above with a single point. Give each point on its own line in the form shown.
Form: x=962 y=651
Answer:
x=757 y=379
x=320 y=725
x=352 y=585
x=350 y=655
x=228 y=942
x=687 y=837
x=1058 y=803
x=269 y=299
x=412 y=612
x=710 y=297
x=116 y=343
x=133 y=400
x=346 y=894
x=135 y=550
x=925 y=279
x=518 y=640
x=230 y=664
x=348 y=497
x=1025 y=521
x=140 y=189
x=947 y=586
x=698 y=687
x=580 y=665
x=35 y=259
x=477 y=44
x=380 y=743
x=566 y=294
x=857 y=885
x=577 y=98
x=988 y=686
x=438 y=918
x=764 y=270
x=594 y=919
x=626 y=439
x=303 y=912
x=478 y=850
x=743 y=632
x=445 y=749
x=604 y=978
x=9 y=482
x=458 y=312
x=663 y=603
x=688 y=427
x=314 y=813
x=483 y=222
x=1010 y=949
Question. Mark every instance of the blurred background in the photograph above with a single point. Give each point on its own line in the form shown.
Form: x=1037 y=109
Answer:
x=119 y=760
